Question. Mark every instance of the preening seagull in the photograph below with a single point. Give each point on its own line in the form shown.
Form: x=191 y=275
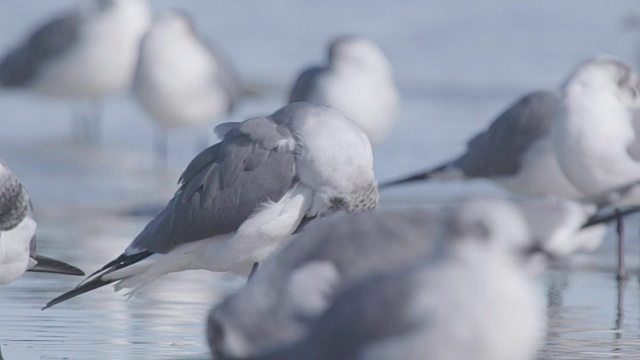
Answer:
x=597 y=133
x=84 y=54
x=294 y=287
x=241 y=199
x=515 y=152
x=181 y=80
x=358 y=81
x=471 y=296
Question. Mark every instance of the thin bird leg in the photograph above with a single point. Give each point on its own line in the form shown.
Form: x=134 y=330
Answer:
x=255 y=267
x=94 y=119
x=77 y=124
x=622 y=271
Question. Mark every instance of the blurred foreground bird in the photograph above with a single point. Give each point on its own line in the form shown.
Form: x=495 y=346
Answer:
x=182 y=81
x=17 y=234
x=241 y=199
x=282 y=302
x=450 y=282
x=82 y=55
x=358 y=81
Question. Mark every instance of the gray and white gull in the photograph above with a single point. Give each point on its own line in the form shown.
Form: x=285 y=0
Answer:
x=280 y=305
x=358 y=81
x=516 y=152
x=597 y=132
x=84 y=54
x=17 y=234
x=241 y=199
x=181 y=80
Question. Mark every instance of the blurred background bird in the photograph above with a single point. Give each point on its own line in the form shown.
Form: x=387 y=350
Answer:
x=81 y=56
x=183 y=81
x=358 y=81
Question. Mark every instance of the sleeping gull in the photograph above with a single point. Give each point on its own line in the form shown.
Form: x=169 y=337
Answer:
x=515 y=152
x=240 y=199
x=358 y=81
x=279 y=304
x=471 y=295
x=84 y=54
x=596 y=136
x=181 y=80
x=17 y=234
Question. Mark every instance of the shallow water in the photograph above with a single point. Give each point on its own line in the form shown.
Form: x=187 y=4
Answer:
x=458 y=64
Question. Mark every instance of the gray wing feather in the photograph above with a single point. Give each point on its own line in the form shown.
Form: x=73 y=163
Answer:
x=222 y=187
x=305 y=84
x=357 y=245
x=369 y=312
x=499 y=150
x=22 y=64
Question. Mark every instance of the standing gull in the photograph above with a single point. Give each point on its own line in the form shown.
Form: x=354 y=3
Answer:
x=17 y=234
x=83 y=55
x=181 y=80
x=295 y=286
x=471 y=296
x=597 y=134
x=358 y=81
x=516 y=152
x=242 y=198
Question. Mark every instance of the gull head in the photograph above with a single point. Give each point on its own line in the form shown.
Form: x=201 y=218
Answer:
x=14 y=201
x=606 y=77
x=174 y=23
x=356 y=52
x=333 y=158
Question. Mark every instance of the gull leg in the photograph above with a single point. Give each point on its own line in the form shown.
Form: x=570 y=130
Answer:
x=622 y=271
x=161 y=148
x=94 y=119
x=255 y=267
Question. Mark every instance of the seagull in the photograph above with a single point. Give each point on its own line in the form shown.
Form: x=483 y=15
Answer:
x=596 y=134
x=241 y=199
x=181 y=80
x=83 y=55
x=17 y=234
x=472 y=295
x=515 y=152
x=358 y=81
x=294 y=287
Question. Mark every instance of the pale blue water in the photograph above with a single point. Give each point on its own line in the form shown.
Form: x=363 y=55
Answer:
x=458 y=64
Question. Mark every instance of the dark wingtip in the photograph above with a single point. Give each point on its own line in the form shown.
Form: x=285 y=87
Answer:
x=49 y=265
x=91 y=285
x=85 y=286
x=417 y=177
x=600 y=218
